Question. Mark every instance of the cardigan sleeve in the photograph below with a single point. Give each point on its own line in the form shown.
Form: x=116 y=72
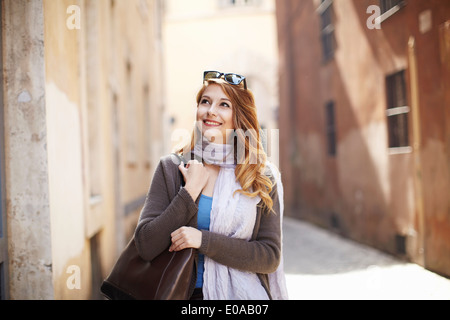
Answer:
x=262 y=254
x=161 y=215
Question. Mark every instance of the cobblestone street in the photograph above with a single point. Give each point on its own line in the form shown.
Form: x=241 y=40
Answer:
x=322 y=265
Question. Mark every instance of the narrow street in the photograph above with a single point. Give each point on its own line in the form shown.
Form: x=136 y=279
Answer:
x=322 y=265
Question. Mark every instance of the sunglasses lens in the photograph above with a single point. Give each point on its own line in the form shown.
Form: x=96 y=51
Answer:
x=211 y=75
x=231 y=78
x=234 y=78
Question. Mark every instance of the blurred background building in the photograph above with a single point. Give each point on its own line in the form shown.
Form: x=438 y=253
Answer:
x=237 y=36
x=365 y=121
x=82 y=114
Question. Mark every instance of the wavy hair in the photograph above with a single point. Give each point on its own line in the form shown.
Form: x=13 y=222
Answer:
x=250 y=168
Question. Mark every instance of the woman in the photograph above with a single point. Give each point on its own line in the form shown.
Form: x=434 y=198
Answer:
x=228 y=208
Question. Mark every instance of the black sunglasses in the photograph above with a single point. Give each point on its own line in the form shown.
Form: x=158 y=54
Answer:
x=231 y=78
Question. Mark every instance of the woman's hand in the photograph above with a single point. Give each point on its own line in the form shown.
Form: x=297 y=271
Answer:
x=196 y=176
x=185 y=237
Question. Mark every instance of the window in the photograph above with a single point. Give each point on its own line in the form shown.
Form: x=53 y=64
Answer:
x=397 y=110
x=386 y=5
x=330 y=128
x=389 y=8
x=327 y=29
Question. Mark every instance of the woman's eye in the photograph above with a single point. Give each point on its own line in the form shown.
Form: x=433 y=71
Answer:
x=226 y=105
x=204 y=101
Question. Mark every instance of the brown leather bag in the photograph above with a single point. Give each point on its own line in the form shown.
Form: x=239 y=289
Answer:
x=167 y=277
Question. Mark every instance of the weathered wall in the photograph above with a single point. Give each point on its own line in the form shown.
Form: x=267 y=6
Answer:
x=26 y=162
x=367 y=191
x=83 y=110
x=103 y=98
x=64 y=123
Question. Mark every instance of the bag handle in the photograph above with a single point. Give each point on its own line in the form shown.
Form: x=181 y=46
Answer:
x=181 y=159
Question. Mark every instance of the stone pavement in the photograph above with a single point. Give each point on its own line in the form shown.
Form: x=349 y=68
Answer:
x=324 y=266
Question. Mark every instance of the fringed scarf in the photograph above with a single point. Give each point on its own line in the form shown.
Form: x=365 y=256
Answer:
x=235 y=216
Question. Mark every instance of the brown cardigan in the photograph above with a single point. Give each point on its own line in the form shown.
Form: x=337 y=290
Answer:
x=169 y=206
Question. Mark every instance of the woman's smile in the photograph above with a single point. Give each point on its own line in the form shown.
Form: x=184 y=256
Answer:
x=212 y=123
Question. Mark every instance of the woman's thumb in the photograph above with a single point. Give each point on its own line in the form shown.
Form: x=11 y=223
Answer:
x=182 y=168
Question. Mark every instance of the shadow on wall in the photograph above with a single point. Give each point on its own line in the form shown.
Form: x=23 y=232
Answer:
x=361 y=192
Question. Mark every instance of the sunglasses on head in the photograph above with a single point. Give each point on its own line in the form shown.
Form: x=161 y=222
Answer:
x=231 y=78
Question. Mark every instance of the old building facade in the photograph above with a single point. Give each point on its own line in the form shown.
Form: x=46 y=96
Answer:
x=365 y=121
x=221 y=35
x=82 y=112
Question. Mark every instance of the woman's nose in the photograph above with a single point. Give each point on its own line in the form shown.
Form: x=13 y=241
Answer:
x=212 y=109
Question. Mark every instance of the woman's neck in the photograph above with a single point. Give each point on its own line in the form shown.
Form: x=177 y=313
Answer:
x=212 y=167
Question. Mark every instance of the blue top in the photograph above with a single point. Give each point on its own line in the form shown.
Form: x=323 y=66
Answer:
x=203 y=221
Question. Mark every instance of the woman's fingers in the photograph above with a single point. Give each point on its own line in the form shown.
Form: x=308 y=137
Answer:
x=185 y=237
x=183 y=170
x=177 y=240
x=195 y=177
x=179 y=245
x=179 y=237
x=176 y=235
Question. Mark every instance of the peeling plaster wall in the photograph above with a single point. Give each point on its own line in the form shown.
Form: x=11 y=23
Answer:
x=77 y=101
x=65 y=185
x=63 y=58
x=26 y=167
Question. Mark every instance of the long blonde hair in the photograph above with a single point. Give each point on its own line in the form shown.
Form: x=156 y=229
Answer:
x=251 y=164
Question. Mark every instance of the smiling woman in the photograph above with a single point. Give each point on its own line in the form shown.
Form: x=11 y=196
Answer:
x=233 y=106
x=229 y=211
x=215 y=114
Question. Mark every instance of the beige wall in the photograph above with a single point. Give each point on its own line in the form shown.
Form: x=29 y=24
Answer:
x=64 y=146
x=26 y=166
x=83 y=116
x=204 y=35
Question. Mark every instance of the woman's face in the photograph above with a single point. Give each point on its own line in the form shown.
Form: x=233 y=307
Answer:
x=215 y=114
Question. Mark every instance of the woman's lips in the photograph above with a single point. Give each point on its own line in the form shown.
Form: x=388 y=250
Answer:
x=211 y=123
